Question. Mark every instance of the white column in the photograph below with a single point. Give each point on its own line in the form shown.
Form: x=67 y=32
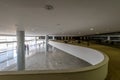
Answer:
x=61 y=37
x=46 y=42
x=65 y=37
x=68 y=37
x=20 y=50
x=71 y=37
x=108 y=38
x=53 y=37
x=35 y=40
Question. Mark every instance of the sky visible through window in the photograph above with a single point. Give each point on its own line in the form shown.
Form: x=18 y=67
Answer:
x=8 y=45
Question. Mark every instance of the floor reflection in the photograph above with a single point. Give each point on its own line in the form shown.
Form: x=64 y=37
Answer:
x=38 y=59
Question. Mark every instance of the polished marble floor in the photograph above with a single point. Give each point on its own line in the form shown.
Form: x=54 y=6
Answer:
x=38 y=59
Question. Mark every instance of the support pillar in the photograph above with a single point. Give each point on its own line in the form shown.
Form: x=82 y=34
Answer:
x=53 y=37
x=108 y=38
x=46 y=42
x=36 y=40
x=65 y=37
x=61 y=37
x=71 y=37
x=68 y=38
x=20 y=50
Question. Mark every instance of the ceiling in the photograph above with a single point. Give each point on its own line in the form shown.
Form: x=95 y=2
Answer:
x=68 y=17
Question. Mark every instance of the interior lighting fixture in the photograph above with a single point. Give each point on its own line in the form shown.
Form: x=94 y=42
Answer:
x=49 y=7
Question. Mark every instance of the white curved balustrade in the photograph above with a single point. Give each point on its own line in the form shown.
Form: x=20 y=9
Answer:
x=90 y=55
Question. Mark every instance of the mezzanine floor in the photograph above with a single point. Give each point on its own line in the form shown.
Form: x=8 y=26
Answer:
x=38 y=59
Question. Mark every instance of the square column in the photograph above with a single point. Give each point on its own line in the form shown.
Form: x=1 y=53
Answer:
x=108 y=38
x=20 y=50
x=36 y=41
x=61 y=37
x=46 y=42
x=53 y=37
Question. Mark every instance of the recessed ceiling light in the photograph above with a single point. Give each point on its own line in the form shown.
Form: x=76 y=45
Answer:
x=91 y=29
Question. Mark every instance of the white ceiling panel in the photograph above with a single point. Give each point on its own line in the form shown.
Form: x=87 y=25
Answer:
x=74 y=17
